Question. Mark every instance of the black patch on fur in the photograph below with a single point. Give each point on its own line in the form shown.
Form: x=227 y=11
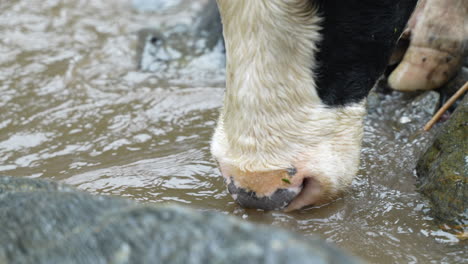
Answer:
x=358 y=38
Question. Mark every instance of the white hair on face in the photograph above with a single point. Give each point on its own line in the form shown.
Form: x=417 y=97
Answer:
x=272 y=116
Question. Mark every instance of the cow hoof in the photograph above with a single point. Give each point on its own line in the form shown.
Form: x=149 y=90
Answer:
x=424 y=69
x=436 y=49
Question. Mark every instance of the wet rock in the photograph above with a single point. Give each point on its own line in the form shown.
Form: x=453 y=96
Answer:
x=453 y=85
x=406 y=112
x=437 y=46
x=419 y=110
x=46 y=222
x=154 y=5
x=443 y=170
x=184 y=48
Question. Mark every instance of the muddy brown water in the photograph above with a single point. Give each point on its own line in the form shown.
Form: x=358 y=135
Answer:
x=74 y=108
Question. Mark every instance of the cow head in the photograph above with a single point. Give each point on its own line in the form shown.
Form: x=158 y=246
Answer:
x=290 y=131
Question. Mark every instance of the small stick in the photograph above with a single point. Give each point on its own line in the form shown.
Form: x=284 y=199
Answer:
x=446 y=106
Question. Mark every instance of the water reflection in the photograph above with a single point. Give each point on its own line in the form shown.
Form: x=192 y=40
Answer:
x=75 y=108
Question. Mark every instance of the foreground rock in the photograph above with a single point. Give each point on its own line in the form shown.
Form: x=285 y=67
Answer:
x=443 y=170
x=45 y=222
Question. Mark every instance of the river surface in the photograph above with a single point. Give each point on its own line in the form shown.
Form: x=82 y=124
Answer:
x=75 y=108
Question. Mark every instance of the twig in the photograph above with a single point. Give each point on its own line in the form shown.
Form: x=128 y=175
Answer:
x=446 y=106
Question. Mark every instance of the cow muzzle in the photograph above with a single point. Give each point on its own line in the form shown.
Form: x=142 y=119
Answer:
x=271 y=190
x=249 y=199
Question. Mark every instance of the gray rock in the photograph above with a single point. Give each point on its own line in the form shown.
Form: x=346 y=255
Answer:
x=453 y=85
x=46 y=222
x=443 y=170
x=184 y=47
x=154 y=5
x=420 y=109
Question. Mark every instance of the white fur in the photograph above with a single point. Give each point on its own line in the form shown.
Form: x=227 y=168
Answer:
x=272 y=116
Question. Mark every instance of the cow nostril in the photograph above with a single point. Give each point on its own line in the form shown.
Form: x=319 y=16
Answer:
x=249 y=199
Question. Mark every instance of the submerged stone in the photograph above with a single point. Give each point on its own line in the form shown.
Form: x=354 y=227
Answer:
x=194 y=48
x=453 y=86
x=46 y=222
x=154 y=5
x=443 y=170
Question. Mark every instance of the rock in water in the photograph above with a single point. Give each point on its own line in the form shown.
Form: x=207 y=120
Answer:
x=443 y=170
x=186 y=49
x=154 y=5
x=46 y=222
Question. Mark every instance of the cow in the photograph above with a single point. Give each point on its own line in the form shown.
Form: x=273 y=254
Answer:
x=297 y=76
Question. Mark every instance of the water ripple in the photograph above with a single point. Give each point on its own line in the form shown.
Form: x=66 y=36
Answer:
x=75 y=108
